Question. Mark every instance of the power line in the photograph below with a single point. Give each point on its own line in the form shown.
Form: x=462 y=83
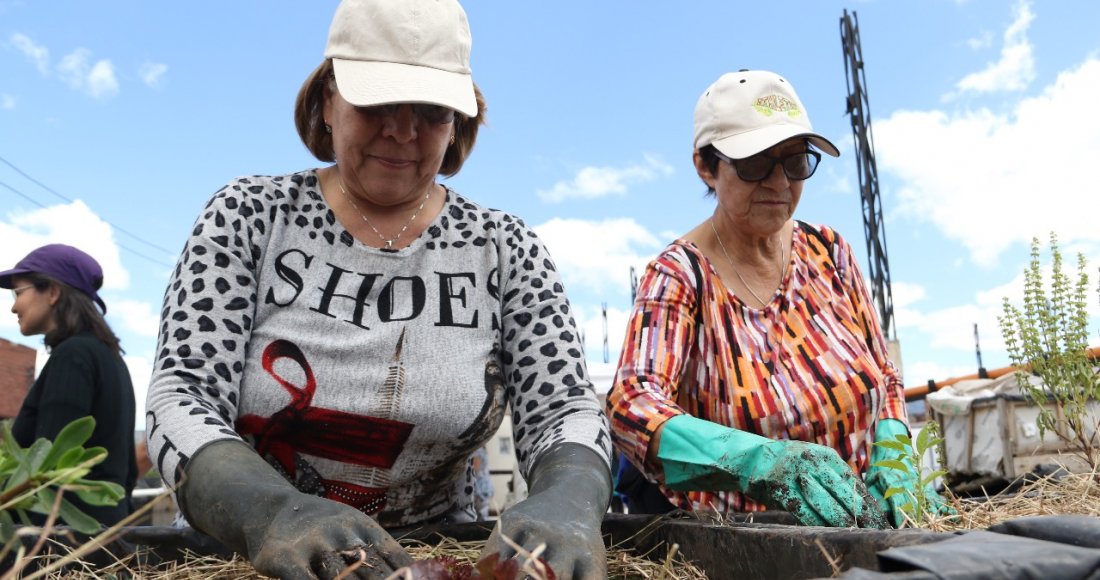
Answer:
x=119 y=244
x=70 y=200
x=23 y=195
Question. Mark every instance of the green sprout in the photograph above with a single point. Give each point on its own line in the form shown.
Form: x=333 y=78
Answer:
x=911 y=462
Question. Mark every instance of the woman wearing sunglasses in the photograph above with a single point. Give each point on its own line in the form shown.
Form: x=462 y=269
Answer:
x=55 y=293
x=337 y=343
x=754 y=373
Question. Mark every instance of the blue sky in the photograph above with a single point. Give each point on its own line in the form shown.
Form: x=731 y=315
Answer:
x=984 y=115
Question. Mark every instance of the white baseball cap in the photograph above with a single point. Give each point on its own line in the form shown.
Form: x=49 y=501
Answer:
x=402 y=51
x=746 y=112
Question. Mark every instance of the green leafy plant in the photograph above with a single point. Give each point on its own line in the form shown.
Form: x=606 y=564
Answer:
x=38 y=478
x=911 y=462
x=1048 y=343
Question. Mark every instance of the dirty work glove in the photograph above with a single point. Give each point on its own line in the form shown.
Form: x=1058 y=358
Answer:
x=569 y=493
x=810 y=481
x=233 y=495
x=881 y=477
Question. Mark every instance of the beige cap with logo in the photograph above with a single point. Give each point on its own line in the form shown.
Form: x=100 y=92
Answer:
x=746 y=112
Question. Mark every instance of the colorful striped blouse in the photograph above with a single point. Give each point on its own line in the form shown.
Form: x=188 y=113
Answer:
x=812 y=365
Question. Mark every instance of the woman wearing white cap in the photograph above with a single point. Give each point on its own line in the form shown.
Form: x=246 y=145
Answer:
x=336 y=343
x=56 y=294
x=754 y=373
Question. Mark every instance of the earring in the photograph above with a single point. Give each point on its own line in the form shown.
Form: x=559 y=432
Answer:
x=328 y=128
x=452 y=138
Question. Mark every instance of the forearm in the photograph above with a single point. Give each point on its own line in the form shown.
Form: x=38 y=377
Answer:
x=228 y=466
x=577 y=467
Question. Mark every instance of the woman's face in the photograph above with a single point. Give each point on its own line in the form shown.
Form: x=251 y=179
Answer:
x=33 y=307
x=760 y=207
x=390 y=154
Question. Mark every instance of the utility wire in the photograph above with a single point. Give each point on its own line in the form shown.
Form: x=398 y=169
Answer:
x=120 y=245
x=23 y=195
x=70 y=200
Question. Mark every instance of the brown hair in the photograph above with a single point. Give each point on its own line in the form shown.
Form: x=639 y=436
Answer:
x=309 y=120
x=74 y=313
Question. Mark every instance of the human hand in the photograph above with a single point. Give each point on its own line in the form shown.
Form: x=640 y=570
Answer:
x=811 y=482
x=808 y=480
x=233 y=495
x=312 y=537
x=561 y=518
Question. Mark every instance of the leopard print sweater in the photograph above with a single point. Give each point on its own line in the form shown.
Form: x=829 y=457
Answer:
x=363 y=375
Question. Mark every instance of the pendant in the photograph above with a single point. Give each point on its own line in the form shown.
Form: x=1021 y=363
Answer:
x=389 y=244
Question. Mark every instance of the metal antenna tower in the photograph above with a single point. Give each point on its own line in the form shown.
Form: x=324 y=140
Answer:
x=859 y=111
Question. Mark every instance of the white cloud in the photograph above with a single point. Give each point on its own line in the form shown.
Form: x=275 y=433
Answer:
x=1016 y=68
x=101 y=80
x=989 y=180
x=96 y=80
x=985 y=40
x=74 y=224
x=598 y=254
x=921 y=372
x=7 y=101
x=152 y=73
x=37 y=54
x=594 y=182
x=140 y=318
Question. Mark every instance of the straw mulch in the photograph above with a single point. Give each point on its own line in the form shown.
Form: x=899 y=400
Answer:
x=620 y=563
x=1060 y=494
x=1064 y=494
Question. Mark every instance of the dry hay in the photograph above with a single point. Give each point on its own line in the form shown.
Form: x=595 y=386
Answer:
x=621 y=563
x=1060 y=494
x=1066 y=494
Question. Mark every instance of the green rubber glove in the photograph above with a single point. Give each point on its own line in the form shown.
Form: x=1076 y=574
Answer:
x=810 y=481
x=881 y=477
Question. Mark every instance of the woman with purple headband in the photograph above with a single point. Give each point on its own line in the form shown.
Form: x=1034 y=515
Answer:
x=55 y=292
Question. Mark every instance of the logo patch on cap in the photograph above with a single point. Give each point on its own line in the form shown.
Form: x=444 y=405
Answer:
x=776 y=103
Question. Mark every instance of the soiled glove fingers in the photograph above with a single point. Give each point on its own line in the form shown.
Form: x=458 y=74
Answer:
x=818 y=488
x=570 y=490
x=232 y=494
x=364 y=562
x=811 y=481
x=314 y=537
x=569 y=551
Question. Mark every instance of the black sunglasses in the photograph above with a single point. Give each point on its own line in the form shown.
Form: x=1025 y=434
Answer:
x=796 y=166
x=432 y=114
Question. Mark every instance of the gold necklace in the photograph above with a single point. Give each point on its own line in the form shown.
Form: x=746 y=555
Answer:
x=388 y=242
x=782 y=265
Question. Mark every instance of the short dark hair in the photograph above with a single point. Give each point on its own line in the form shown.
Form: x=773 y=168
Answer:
x=710 y=161
x=74 y=313
x=309 y=110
